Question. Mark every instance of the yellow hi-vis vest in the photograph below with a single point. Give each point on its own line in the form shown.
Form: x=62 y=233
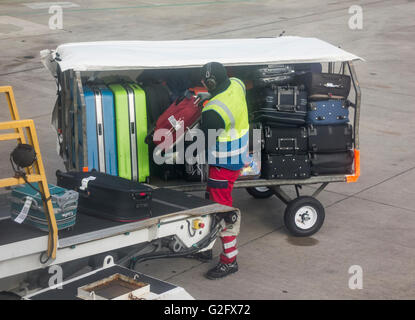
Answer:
x=231 y=148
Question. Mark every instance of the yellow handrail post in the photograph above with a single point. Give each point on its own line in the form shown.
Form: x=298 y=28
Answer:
x=39 y=176
x=14 y=112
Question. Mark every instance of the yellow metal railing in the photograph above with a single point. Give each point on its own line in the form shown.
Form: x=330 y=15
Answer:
x=35 y=173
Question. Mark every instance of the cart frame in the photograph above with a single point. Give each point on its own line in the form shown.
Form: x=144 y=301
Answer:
x=70 y=105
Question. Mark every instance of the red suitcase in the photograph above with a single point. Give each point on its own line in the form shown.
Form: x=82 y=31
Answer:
x=180 y=116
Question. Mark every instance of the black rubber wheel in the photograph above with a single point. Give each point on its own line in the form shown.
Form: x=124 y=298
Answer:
x=304 y=216
x=260 y=192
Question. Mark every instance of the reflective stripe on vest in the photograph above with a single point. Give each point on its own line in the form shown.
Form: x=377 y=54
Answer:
x=225 y=108
x=231 y=153
x=240 y=83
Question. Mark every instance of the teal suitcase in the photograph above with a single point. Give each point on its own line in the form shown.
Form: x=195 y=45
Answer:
x=65 y=203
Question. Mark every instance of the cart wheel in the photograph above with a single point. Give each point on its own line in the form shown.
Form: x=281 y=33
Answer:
x=304 y=216
x=260 y=192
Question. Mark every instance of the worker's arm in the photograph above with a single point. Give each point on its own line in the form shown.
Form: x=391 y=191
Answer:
x=211 y=120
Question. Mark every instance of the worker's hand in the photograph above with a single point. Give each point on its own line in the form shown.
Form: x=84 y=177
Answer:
x=202 y=98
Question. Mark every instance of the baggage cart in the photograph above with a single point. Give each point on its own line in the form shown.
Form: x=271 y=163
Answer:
x=72 y=63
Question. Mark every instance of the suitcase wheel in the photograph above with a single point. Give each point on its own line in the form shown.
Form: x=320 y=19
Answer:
x=304 y=216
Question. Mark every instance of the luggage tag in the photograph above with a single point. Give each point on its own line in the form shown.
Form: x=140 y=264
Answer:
x=331 y=85
x=176 y=125
x=84 y=183
x=25 y=210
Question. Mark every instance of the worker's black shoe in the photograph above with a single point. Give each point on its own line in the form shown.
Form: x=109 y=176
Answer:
x=204 y=256
x=222 y=270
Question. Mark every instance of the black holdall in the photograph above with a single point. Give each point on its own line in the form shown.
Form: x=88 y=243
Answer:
x=285 y=166
x=324 y=86
x=109 y=197
x=283 y=140
x=332 y=163
x=330 y=138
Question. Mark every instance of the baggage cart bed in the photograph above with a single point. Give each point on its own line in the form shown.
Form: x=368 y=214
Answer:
x=21 y=245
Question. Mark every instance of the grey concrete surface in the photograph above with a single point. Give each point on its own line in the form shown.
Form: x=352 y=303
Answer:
x=370 y=223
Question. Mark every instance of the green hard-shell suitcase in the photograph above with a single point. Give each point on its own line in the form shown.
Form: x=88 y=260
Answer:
x=131 y=127
x=64 y=202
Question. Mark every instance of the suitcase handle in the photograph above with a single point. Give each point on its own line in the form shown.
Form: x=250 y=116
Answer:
x=286 y=108
x=287 y=148
x=68 y=199
x=348 y=103
x=295 y=91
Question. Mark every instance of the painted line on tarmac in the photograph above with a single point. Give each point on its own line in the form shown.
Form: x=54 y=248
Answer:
x=47 y=5
x=355 y=195
x=19 y=71
x=145 y=6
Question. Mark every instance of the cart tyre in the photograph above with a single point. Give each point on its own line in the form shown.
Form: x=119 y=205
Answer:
x=304 y=216
x=260 y=192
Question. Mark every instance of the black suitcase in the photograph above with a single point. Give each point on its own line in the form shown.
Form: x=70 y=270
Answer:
x=273 y=74
x=280 y=140
x=109 y=197
x=291 y=95
x=285 y=166
x=324 y=86
x=284 y=96
x=329 y=138
x=286 y=116
x=301 y=68
x=157 y=101
x=332 y=163
x=286 y=105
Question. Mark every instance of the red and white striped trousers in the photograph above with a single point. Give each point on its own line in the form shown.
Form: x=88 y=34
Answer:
x=219 y=187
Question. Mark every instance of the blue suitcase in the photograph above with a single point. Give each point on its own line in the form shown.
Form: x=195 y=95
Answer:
x=64 y=202
x=327 y=112
x=100 y=129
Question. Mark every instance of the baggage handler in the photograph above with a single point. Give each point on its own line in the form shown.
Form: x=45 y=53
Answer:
x=226 y=154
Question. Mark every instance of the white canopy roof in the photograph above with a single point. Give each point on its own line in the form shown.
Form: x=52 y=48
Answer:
x=128 y=55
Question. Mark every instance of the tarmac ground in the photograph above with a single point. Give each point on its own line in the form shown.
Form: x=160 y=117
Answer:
x=370 y=223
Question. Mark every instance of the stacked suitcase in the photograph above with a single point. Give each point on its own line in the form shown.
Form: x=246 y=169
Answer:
x=116 y=128
x=330 y=136
x=285 y=135
x=306 y=124
x=303 y=114
x=131 y=124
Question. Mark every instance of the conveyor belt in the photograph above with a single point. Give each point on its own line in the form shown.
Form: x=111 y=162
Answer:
x=165 y=202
